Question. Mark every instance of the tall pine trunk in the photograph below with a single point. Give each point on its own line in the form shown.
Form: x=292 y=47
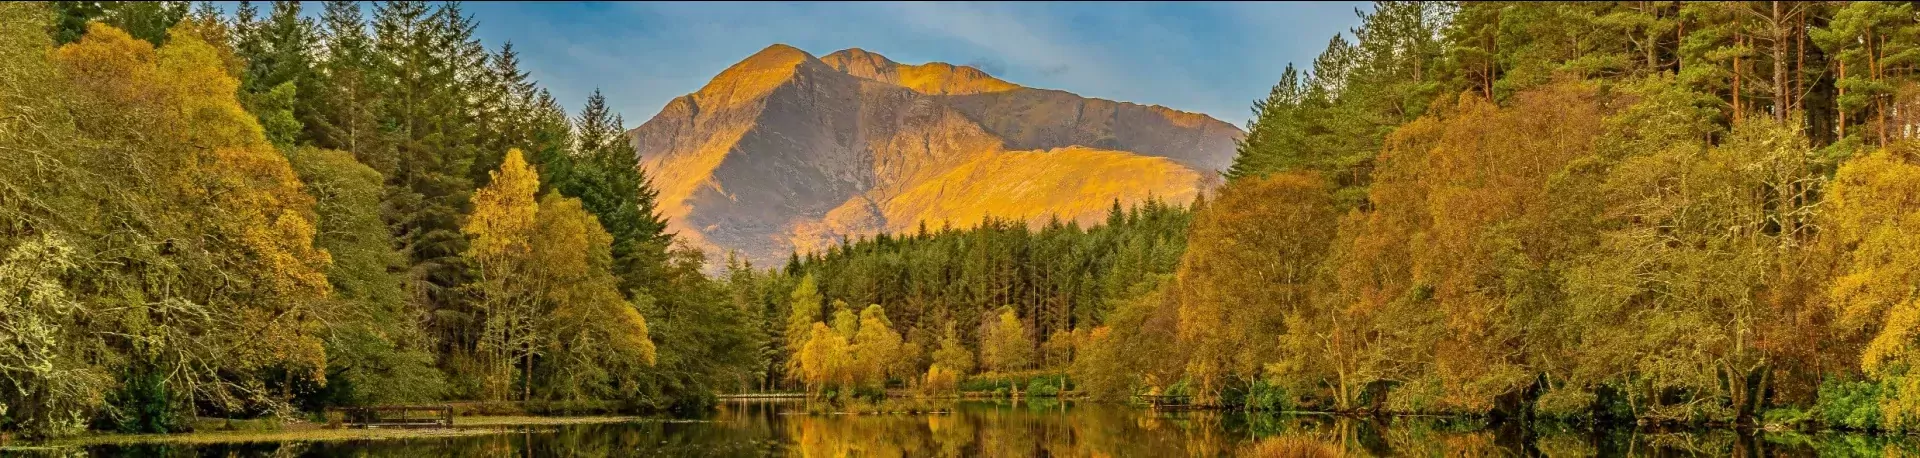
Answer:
x=1780 y=96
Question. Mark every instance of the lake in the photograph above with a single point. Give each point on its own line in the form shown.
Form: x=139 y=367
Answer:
x=1040 y=428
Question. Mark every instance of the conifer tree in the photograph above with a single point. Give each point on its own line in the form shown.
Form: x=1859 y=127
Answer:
x=604 y=173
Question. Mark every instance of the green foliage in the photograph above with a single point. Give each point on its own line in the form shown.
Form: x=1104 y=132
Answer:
x=1565 y=404
x=1026 y=382
x=933 y=286
x=1261 y=395
x=1040 y=388
x=377 y=353
x=1849 y=404
x=604 y=173
x=145 y=404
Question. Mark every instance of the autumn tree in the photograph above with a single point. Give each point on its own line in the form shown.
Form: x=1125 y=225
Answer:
x=1873 y=219
x=1254 y=260
x=953 y=356
x=598 y=340
x=877 y=348
x=803 y=312
x=1005 y=344
x=502 y=227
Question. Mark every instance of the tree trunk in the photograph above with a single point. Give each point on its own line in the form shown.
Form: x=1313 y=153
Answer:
x=1800 y=58
x=1780 y=96
x=526 y=383
x=1879 y=100
x=1737 y=42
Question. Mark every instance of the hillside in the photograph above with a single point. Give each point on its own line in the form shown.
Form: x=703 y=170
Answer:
x=786 y=151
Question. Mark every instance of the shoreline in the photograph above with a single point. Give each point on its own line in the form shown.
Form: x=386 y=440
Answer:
x=473 y=425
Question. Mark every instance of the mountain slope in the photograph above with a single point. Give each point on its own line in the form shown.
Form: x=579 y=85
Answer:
x=785 y=151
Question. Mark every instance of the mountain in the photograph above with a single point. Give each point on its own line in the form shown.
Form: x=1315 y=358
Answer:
x=784 y=151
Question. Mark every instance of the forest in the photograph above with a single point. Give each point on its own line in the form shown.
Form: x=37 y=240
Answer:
x=1682 y=213
x=1689 y=213
x=263 y=215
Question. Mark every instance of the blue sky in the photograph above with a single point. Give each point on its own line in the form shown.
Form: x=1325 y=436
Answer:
x=1213 y=58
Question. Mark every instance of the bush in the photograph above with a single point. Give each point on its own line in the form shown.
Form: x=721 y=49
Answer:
x=1785 y=417
x=1851 y=405
x=1184 y=387
x=1567 y=404
x=145 y=404
x=1040 y=387
x=1264 y=396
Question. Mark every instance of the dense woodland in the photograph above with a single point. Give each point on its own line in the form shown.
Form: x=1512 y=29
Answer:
x=1691 y=213
x=257 y=214
x=1670 y=212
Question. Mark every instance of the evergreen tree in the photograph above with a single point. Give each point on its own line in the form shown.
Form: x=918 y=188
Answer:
x=279 y=54
x=345 y=103
x=424 y=113
x=604 y=173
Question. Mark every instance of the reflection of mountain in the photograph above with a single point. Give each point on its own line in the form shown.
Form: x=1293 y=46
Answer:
x=785 y=151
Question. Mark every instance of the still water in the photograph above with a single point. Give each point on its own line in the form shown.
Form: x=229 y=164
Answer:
x=1044 y=428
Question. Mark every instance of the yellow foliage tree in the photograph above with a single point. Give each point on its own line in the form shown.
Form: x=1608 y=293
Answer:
x=597 y=336
x=876 y=347
x=502 y=229
x=1469 y=188
x=222 y=190
x=1874 y=217
x=803 y=310
x=1006 y=345
x=952 y=354
x=824 y=360
x=549 y=292
x=1252 y=260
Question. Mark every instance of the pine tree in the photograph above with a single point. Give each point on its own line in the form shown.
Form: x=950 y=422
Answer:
x=1272 y=143
x=73 y=17
x=345 y=101
x=424 y=114
x=506 y=110
x=605 y=174
x=279 y=57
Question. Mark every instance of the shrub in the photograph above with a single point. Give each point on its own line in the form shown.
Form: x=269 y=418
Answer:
x=145 y=404
x=1851 y=405
x=1785 y=417
x=1262 y=395
x=1041 y=387
x=1570 y=404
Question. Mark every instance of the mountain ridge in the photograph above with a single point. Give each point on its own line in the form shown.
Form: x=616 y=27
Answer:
x=784 y=151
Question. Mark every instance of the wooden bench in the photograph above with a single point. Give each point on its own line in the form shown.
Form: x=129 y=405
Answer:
x=439 y=416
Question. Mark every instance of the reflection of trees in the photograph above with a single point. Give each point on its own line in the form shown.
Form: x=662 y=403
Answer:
x=1077 y=430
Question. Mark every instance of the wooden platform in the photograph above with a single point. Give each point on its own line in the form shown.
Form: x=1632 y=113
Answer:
x=433 y=416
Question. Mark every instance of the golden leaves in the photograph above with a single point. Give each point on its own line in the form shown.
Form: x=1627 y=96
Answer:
x=1874 y=218
x=503 y=219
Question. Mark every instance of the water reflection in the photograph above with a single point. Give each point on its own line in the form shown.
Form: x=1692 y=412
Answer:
x=988 y=429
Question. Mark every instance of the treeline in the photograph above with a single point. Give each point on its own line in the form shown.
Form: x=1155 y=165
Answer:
x=1671 y=212
x=1605 y=212
x=255 y=216
x=998 y=297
